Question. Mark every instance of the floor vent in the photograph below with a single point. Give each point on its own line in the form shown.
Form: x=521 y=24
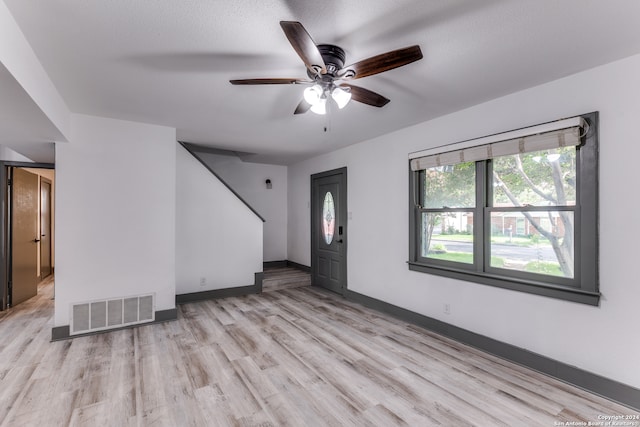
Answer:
x=112 y=313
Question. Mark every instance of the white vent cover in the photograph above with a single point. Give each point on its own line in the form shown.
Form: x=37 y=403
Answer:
x=112 y=313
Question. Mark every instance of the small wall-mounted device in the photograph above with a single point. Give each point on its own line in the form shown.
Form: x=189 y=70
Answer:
x=269 y=185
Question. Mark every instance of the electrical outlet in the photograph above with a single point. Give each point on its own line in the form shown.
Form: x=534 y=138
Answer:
x=447 y=309
x=203 y=281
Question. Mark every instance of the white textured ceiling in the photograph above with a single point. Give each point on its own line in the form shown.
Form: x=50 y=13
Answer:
x=168 y=62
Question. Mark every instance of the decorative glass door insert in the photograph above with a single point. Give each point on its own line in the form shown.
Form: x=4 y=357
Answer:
x=328 y=218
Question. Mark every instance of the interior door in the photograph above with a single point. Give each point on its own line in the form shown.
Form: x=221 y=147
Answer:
x=45 y=228
x=24 y=235
x=329 y=230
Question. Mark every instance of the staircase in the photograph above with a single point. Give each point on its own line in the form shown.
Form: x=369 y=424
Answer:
x=277 y=278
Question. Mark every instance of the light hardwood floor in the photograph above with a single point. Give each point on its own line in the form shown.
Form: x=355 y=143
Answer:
x=297 y=357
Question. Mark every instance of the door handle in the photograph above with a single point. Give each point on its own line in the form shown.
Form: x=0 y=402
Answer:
x=36 y=240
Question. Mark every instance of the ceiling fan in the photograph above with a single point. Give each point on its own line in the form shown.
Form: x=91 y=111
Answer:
x=329 y=77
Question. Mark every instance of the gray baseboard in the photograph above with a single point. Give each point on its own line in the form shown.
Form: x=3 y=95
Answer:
x=299 y=266
x=216 y=294
x=274 y=264
x=60 y=333
x=605 y=387
x=286 y=263
x=166 y=315
x=256 y=288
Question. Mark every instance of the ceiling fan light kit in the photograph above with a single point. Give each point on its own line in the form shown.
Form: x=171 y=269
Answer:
x=312 y=94
x=342 y=96
x=317 y=96
x=328 y=76
x=320 y=107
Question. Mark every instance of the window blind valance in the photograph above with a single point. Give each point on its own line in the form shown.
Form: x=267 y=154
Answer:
x=562 y=133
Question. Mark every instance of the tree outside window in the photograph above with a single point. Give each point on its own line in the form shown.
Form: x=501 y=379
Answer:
x=523 y=221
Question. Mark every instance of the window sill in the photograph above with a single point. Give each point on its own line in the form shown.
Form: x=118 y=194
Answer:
x=531 y=287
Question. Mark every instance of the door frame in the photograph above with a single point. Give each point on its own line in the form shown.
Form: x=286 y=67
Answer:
x=341 y=213
x=5 y=223
x=50 y=223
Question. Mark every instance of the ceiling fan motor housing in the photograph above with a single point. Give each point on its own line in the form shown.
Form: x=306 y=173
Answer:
x=333 y=57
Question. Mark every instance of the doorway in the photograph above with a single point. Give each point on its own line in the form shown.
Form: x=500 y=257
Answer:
x=27 y=232
x=46 y=248
x=329 y=230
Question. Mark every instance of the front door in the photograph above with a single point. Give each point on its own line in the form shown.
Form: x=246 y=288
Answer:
x=329 y=230
x=24 y=235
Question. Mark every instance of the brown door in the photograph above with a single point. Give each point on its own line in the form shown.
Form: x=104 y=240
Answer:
x=45 y=228
x=24 y=235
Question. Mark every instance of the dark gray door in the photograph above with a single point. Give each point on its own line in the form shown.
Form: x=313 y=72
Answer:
x=329 y=230
x=45 y=228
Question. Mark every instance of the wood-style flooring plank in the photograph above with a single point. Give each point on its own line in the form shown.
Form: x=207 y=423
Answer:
x=291 y=357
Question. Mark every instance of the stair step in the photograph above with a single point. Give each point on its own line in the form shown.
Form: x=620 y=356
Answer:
x=287 y=280
x=284 y=278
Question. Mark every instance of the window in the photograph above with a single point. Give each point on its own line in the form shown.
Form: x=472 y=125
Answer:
x=516 y=210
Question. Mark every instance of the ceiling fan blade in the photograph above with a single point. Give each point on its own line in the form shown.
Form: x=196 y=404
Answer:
x=366 y=96
x=302 y=107
x=304 y=46
x=284 y=81
x=380 y=63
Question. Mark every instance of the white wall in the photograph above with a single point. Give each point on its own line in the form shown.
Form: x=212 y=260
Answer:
x=218 y=237
x=10 y=155
x=602 y=340
x=248 y=180
x=20 y=60
x=115 y=213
